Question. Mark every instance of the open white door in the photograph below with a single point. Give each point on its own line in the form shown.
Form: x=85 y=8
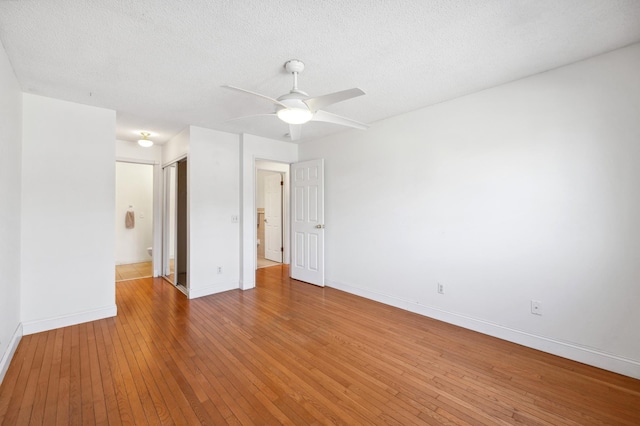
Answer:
x=307 y=225
x=273 y=217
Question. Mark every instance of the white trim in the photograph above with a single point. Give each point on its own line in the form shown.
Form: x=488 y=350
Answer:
x=251 y=260
x=179 y=158
x=7 y=356
x=573 y=351
x=137 y=161
x=254 y=148
x=37 y=326
x=194 y=293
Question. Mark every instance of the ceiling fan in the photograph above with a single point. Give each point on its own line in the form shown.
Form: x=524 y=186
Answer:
x=297 y=107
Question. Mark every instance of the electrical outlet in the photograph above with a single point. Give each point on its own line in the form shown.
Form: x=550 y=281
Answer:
x=219 y=269
x=536 y=307
x=440 y=288
x=234 y=218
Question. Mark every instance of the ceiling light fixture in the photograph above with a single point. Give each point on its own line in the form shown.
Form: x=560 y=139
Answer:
x=144 y=142
x=297 y=107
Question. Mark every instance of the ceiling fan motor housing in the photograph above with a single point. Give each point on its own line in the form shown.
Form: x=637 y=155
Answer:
x=294 y=99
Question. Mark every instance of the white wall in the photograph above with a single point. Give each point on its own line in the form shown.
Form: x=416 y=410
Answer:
x=253 y=148
x=214 y=189
x=134 y=191
x=176 y=148
x=10 y=171
x=524 y=191
x=68 y=187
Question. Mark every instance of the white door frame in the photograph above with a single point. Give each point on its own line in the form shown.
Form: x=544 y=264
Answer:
x=184 y=289
x=166 y=225
x=252 y=149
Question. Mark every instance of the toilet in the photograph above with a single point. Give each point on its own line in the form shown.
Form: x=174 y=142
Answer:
x=150 y=251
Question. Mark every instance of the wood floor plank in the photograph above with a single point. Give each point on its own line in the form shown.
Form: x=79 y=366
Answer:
x=292 y=353
x=75 y=379
x=107 y=380
x=62 y=409
x=16 y=380
x=43 y=373
x=88 y=408
x=51 y=404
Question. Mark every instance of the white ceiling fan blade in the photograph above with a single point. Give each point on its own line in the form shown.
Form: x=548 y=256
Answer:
x=320 y=102
x=250 y=116
x=275 y=101
x=294 y=131
x=328 y=117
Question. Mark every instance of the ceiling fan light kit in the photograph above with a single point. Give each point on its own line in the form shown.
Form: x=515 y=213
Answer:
x=297 y=107
x=294 y=115
x=144 y=142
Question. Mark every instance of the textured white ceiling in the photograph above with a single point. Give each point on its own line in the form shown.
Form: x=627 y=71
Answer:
x=160 y=63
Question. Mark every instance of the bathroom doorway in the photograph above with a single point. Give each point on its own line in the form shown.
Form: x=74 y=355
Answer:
x=175 y=254
x=271 y=213
x=134 y=220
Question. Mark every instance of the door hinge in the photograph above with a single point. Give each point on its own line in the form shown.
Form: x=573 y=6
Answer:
x=281 y=183
x=282 y=249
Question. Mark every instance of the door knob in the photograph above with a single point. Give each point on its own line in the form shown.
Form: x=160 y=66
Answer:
x=319 y=226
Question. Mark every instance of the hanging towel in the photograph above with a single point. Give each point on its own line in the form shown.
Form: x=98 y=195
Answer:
x=130 y=220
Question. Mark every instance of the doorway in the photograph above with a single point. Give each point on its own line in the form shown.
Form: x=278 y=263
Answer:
x=271 y=199
x=175 y=253
x=134 y=224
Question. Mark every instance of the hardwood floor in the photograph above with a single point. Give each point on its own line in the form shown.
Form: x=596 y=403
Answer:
x=292 y=353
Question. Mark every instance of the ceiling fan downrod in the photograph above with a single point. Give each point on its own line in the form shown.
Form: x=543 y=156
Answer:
x=295 y=67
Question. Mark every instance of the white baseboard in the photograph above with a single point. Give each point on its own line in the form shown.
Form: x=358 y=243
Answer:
x=611 y=362
x=194 y=293
x=132 y=261
x=31 y=327
x=7 y=356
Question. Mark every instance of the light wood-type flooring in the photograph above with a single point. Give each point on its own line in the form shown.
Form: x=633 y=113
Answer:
x=292 y=353
x=132 y=271
x=265 y=263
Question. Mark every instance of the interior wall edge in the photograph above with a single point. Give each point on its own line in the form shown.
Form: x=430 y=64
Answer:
x=7 y=356
x=572 y=351
x=46 y=324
